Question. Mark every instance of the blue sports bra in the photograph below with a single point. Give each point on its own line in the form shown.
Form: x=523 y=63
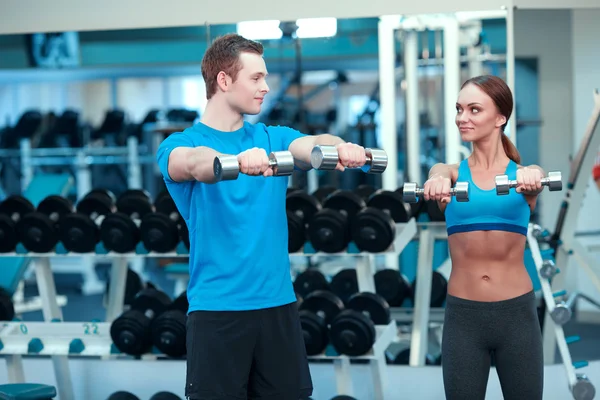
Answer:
x=485 y=210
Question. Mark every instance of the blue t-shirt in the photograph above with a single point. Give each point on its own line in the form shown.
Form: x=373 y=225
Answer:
x=238 y=229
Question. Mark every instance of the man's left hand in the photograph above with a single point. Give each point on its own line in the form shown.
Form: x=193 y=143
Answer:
x=350 y=155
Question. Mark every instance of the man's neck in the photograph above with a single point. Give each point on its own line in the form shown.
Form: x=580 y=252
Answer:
x=221 y=117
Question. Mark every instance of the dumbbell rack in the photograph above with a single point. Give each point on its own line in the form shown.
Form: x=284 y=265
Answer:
x=574 y=380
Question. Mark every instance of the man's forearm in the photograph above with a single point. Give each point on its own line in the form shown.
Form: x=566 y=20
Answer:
x=199 y=164
x=301 y=148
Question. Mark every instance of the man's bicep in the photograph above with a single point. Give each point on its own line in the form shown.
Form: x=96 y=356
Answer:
x=171 y=156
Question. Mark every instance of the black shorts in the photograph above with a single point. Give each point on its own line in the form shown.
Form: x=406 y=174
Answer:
x=258 y=354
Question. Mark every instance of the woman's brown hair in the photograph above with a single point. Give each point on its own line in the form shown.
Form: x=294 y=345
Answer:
x=502 y=97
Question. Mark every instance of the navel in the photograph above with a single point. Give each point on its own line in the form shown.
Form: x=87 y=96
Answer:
x=485 y=278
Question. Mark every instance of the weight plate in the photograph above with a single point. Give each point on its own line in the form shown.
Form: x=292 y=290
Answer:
x=164 y=204
x=131 y=333
x=365 y=191
x=133 y=285
x=398 y=353
x=122 y=395
x=310 y=280
x=433 y=211
x=7 y=309
x=135 y=203
x=439 y=289
x=78 y=233
x=108 y=195
x=391 y=203
x=324 y=304
x=328 y=231
x=184 y=234
x=119 y=233
x=151 y=302
x=95 y=204
x=321 y=193
x=352 y=333
x=291 y=190
x=392 y=286
x=55 y=207
x=296 y=232
x=373 y=230
x=37 y=232
x=344 y=200
x=344 y=284
x=169 y=333
x=159 y=233
x=8 y=234
x=165 y=396
x=314 y=330
x=16 y=206
x=371 y=305
x=180 y=303
x=302 y=204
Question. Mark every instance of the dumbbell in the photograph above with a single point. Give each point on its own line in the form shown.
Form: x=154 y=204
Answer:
x=392 y=286
x=131 y=332
x=120 y=231
x=583 y=389
x=411 y=194
x=165 y=396
x=226 y=168
x=344 y=284
x=300 y=208
x=365 y=191
x=329 y=230
x=123 y=395
x=374 y=227
x=169 y=330
x=563 y=311
x=161 y=229
x=133 y=285
x=548 y=269
x=317 y=311
x=553 y=181
x=326 y=158
x=310 y=280
x=352 y=331
x=12 y=209
x=439 y=289
x=79 y=232
x=322 y=192
x=39 y=231
x=7 y=308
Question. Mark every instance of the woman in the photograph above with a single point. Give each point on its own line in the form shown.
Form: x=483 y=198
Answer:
x=491 y=306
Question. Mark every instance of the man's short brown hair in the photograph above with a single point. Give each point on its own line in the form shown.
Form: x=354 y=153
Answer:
x=224 y=55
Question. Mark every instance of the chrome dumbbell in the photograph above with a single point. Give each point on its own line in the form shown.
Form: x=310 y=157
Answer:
x=553 y=181
x=226 y=168
x=583 y=389
x=411 y=193
x=326 y=158
x=548 y=270
x=563 y=311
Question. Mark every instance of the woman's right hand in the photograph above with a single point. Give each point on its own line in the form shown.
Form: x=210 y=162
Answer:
x=437 y=188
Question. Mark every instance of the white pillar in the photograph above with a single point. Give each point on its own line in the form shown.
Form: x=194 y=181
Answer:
x=387 y=95
x=413 y=136
x=451 y=88
x=510 y=70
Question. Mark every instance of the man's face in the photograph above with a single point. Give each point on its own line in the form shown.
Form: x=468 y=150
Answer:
x=248 y=91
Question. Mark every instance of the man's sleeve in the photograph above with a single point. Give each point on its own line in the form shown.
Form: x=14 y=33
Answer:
x=164 y=151
x=284 y=135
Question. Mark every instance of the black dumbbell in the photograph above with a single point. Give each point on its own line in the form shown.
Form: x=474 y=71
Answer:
x=439 y=289
x=80 y=231
x=310 y=280
x=7 y=308
x=352 y=331
x=392 y=286
x=329 y=230
x=131 y=332
x=161 y=229
x=39 y=231
x=165 y=396
x=120 y=231
x=169 y=328
x=322 y=192
x=300 y=207
x=374 y=227
x=123 y=395
x=317 y=311
x=133 y=285
x=12 y=209
x=365 y=191
x=344 y=284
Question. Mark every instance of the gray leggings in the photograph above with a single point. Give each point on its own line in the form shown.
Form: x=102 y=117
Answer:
x=508 y=329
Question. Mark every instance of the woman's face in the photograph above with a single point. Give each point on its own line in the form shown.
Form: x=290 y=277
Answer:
x=477 y=116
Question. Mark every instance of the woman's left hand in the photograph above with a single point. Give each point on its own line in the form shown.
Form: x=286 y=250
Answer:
x=529 y=180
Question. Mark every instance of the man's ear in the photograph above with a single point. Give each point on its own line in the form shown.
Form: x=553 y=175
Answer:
x=223 y=81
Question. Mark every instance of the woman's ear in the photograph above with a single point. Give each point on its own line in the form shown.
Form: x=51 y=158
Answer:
x=500 y=121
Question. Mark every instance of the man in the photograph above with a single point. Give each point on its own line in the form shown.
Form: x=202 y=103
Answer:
x=244 y=338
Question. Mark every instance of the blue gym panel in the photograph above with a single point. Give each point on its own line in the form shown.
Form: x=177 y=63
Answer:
x=27 y=391
x=41 y=186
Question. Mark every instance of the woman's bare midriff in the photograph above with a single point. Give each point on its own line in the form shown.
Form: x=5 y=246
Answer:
x=488 y=266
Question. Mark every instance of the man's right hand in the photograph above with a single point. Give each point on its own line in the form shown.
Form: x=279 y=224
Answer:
x=254 y=162
x=437 y=188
